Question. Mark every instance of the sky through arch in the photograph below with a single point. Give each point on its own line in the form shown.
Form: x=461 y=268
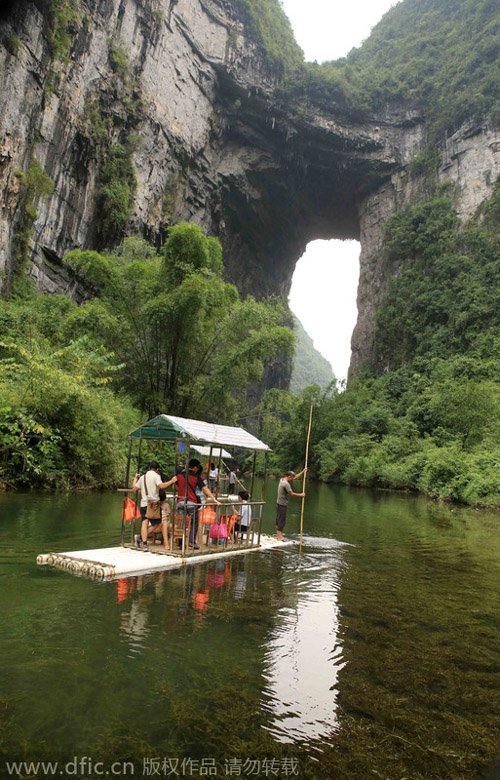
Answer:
x=323 y=297
x=323 y=292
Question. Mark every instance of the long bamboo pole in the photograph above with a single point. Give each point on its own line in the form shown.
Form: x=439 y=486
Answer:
x=304 y=479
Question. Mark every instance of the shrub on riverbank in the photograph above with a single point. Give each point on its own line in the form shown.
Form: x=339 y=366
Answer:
x=368 y=437
x=60 y=424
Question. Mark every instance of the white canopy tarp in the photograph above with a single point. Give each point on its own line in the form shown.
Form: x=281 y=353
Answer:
x=166 y=427
x=216 y=451
x=218 y=434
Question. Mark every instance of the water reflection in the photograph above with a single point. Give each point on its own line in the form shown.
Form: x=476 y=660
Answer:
x=134 y=620
x=194 y=588
x=295 y=603
x=302 y=654
x=135 y=625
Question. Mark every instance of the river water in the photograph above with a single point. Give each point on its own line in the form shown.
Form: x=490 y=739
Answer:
x=375 y=653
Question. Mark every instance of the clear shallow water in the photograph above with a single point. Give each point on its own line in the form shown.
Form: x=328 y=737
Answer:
x=374 y=653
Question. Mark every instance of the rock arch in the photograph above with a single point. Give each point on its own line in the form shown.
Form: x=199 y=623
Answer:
x=215 y=143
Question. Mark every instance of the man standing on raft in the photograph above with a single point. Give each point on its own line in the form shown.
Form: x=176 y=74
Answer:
x=284 y=493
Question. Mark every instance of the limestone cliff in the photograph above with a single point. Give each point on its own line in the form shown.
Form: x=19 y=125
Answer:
x=470 y=161
x=183 y=87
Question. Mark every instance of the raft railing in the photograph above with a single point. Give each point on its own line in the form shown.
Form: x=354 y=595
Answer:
x=223 y=513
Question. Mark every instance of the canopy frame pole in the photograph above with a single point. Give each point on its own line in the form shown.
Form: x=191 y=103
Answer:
x=253 y=473
x=139 y=453
x=218 y=484
x=133 y=525
x=186 y=471
x=261 y=510
x=208 y=483
x=209 y=464
x=174 y=497
x=127 y=482
x=198 y=507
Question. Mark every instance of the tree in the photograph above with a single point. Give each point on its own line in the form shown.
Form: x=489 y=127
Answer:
x=189 y=344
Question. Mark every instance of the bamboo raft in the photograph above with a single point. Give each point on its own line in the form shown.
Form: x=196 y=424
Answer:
x=186 y=436
x=116 y=562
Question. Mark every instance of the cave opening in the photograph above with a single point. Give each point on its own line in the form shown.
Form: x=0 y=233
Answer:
x=323 y=297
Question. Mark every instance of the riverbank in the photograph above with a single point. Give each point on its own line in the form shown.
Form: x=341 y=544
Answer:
x=489 y=503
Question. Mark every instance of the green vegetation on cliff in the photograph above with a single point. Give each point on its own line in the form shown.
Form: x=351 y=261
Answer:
x=309 y=366
x=34 y=185
x=438 y=57
x=267 y=22
x=64 y=18
x=116 y=193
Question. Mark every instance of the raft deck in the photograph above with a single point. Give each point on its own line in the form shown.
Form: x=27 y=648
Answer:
x=127 y=561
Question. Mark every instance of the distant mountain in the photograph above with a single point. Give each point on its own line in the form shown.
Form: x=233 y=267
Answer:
x=309 y=366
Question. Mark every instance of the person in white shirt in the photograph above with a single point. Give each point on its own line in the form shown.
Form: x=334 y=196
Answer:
x=213 y=477
x=149 y=485
x=243 y=512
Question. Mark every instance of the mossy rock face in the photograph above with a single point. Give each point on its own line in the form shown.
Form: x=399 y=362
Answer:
x=12 y=43
x=64 y=21
x=119 y=62
x=116 y=193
